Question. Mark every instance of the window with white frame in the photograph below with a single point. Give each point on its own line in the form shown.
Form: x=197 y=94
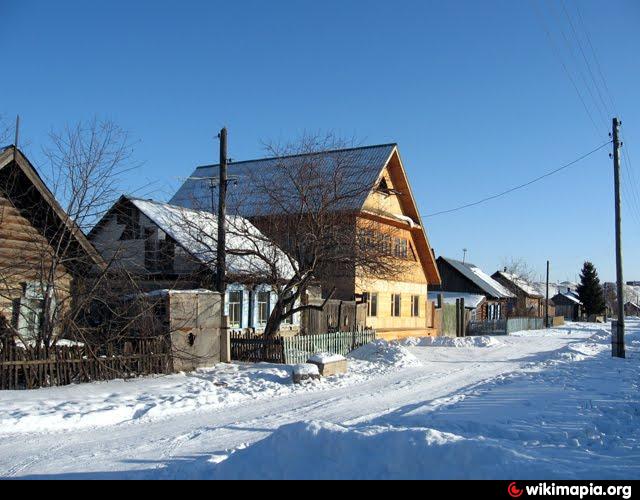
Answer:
x=263 y=308
x=235 y=308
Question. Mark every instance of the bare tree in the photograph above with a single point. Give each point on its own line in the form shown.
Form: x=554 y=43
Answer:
x=521 y=269
x=5 y=131
x=309 y=204
x=60 y=281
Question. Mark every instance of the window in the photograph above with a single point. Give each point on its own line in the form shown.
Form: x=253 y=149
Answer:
x=372 y=304
x=263 y=308
x=415 y=305
x=289 y=319
x=235 y=308
x=400 y=248
x=395 y=304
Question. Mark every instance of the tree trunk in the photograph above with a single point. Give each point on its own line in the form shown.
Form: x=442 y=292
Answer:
x=272 y=327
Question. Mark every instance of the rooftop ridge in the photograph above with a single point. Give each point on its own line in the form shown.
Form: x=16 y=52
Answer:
x=359 y=148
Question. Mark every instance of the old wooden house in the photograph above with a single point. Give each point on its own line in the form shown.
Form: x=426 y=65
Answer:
x=396 y=306
x=465 y=277
x=43 y=253
x=631 y=309
x=529 y=301
x=170 y=247
x=568 y=305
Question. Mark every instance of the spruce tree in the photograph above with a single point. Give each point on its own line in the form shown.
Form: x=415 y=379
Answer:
x=590 y=291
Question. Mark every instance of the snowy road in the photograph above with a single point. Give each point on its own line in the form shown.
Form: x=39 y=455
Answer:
x=437 y=390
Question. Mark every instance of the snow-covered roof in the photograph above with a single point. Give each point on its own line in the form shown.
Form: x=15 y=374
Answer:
x=521 y=283
x=471 y=300
x=572 y=297
x=196 y=231
x=480 y=279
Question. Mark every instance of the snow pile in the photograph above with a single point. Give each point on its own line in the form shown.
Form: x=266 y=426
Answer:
x=326 y=357
x=479 y=341
x=160 y=397
x=388 y=353
x=305 y=369
x=321 y=450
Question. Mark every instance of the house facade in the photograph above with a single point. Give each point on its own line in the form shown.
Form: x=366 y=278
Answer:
x=464 y=277
x=568 y=305
x=396 y=305
x=169 y=247
x=43 y=253
x=529 y=301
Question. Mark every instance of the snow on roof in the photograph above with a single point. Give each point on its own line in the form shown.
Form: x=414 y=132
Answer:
x=471 y=300
x=521 y=283
x=570 y=296
x=480 y=278
x=196 y=231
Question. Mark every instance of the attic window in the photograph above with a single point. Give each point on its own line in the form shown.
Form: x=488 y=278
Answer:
x=383 y=187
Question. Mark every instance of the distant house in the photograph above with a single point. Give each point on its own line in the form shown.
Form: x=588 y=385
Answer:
x=631 y=309
x=169 y=247
x=396 y=306
x=474 y=303
x=568 y=305
x=529 y=301
x=43 y=252
x=466 y=278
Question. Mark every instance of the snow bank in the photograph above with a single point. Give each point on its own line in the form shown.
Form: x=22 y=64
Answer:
x=154 y=398
x=479 y=341
x=388 y=353
x=321 y=450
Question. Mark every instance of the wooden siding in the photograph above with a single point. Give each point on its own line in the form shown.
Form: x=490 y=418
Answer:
x=25 y=256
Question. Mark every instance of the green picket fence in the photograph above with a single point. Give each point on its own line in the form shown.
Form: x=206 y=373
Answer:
x=299 y=349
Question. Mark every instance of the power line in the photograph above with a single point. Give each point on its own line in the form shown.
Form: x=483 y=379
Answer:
x=521 y=186
x=564 y=66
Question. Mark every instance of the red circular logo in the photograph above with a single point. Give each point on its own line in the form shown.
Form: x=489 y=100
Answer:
x=514 y=491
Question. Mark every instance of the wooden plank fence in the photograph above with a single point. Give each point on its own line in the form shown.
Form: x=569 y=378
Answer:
x=290 y=350
x=30 y=368
x=504 y=326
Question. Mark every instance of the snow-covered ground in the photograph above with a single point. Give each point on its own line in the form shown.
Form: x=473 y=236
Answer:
x=533 y=404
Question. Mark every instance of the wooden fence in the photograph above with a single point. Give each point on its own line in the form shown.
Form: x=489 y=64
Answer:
x=337 y=315
x=254 y=348
x=30 y=368
x=504 y=326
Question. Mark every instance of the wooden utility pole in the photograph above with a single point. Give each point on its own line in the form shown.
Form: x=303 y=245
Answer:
x=222 y=203
x=546 y=304
x=617 y=327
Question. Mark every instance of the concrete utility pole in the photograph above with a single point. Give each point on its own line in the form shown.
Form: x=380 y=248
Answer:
x=546 y=304
x=221 y=253
x=617 y=327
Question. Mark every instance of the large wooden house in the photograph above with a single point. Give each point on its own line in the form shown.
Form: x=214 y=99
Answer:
x=465 y=277
x=42 y=251
x=396 y=306
x=164 y=246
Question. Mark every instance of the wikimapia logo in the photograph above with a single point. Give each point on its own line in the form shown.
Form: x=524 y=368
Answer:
x=581 y=491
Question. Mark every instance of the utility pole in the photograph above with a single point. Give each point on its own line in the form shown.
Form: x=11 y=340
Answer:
x=17 y=136
x=222 y=201
x=546 y=304
x=464 y=255
x=617 y=327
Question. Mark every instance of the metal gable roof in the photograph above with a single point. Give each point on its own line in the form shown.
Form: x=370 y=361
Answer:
x=363 y=165
x=480 y=278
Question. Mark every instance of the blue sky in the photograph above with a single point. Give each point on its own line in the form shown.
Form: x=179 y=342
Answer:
x=473 y=92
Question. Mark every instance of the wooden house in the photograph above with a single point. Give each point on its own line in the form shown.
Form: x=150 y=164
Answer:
x=465 y=277
x=170 y=247
x=42 y=251
x=529 y=301
x=396 y=306
x=474 y=304
x=631 y=309
x=568 y=305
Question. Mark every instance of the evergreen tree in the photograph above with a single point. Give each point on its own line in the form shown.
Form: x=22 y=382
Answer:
x=590 y=290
